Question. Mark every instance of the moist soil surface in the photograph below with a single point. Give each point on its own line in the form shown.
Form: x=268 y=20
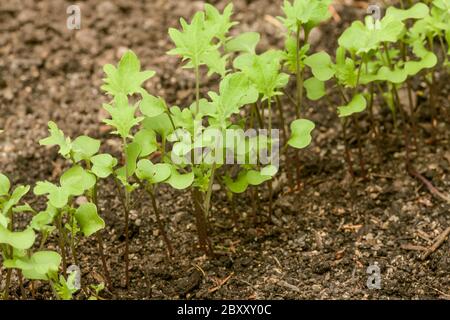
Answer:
x=323 y=234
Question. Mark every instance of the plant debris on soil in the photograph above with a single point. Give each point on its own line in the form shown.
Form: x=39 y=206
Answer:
x=321 y=239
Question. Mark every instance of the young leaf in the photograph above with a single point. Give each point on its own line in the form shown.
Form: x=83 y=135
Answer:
x=103 y=164
x=127 y=78
x=239 y=185
x=358 y=104
x=57 y=196
x=151 y=106
x=152 y=173
x=194 y=42
x=4 y=185
x=245 y=42
x=315 y=89
x=301 y=133
x=220 y=23
x=291 y=55
x=84 y=148
x=147 y=141
x=122 y=116
x=180 y=181
x=321 y=65
x=132 y=153
x=15 y=198
x=308 y=13
x=264 y=71
x=57 y=138
x=76 y=180
x=41 y=266
x=20 y=239
x=88 y=219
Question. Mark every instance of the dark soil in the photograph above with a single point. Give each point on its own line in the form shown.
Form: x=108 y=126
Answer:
x=321 y=239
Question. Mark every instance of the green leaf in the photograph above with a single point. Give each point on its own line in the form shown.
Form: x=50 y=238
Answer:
x=57 y=196
x=361 y=39
x=239 y=185
x=41 y=266
x=321 y=65
x=152 y=173
x=180 y=181
x=122 y=116
x=88 y=219
x=147 y=141
x=127 y=78
x=43 y=220
x=160 y=124
x=194 y=42
x=235 y=90
x=315 y=89
x=301 y=133
x=76 y=181
x=15 y=198
x=255 y=178
x=245 y=42
x=308 y=13
x=220 y=23
x=358 y=104
x=103 y=164
x=84 y=148
x=5 y=185
x=132 y=153
x=291 y=55
x=264 y=71
x=20 y=239
x=152 y=106
x=57 y=138
x=418 y=11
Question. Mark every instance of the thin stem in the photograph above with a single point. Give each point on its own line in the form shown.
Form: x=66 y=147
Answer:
x=202 y=228
x=127 y=216
x=103 y=258
x=61 y=238
x=209 y=192
x=197 y=89
x=298 y=73
x=150 y=191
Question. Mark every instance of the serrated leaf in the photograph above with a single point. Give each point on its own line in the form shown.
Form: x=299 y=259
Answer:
x=308 y=13
x=301 y=133
x=358 y=104
x=221 y=23
x=127 y=78
x=263 y=71
x=84 y=148
x=245 y=42
x=194 y=41
x=291 y=55
x=41 y=266
x=122 y=116
x=57 y=138
x=315 y=89
x=88 y=219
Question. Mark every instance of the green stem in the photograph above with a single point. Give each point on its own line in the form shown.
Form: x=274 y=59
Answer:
x=61 y=238
x=197 y=89
x=127 y=215
x=209 y=192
